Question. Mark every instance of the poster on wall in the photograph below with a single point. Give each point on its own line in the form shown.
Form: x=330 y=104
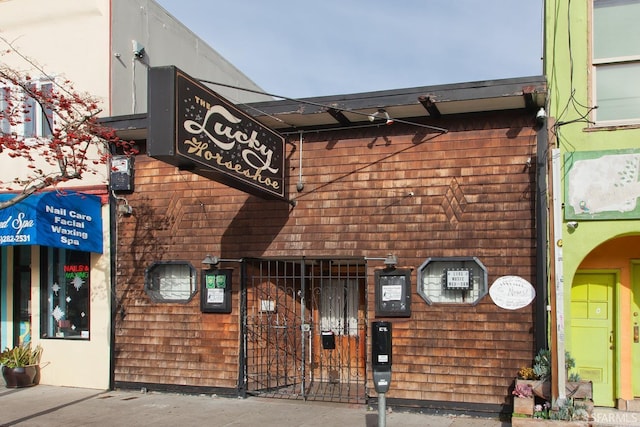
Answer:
x=602 y=185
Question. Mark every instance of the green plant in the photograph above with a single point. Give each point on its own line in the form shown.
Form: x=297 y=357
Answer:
x=541 y=411
x=574 y=377
x=542 y=365
x=569 y=410
x=21 y=356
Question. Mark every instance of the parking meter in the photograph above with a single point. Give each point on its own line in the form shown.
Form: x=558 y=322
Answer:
x=381 y=355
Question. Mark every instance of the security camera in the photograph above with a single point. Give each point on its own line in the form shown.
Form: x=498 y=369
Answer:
x=138 y=49
x=572 y=225
x=541 y=115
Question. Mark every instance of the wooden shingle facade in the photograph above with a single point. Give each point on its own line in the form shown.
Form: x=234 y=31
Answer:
x=361 y=192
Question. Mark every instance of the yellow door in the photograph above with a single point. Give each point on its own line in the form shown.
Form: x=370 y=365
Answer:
x=635 y=330
x=592 y=333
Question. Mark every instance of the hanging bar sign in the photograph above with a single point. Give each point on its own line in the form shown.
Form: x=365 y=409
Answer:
x=194 y=128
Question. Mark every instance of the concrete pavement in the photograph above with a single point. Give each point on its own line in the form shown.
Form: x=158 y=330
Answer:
x=51 y=406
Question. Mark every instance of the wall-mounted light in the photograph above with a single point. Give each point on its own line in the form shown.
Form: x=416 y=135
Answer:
x=211 y=261
x=541 y=115
x=572 y=225
x=124 y=207
x=390 y=261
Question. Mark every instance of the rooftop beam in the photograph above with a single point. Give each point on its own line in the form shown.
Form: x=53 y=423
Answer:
x=430 y=106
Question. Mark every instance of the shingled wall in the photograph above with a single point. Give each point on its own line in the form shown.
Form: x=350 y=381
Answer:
x=368 y=192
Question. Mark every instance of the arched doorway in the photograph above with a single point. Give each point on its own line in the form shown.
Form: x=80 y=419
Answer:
x=603 y=317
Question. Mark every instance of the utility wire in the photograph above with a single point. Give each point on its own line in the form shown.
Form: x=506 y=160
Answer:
x=316 y=104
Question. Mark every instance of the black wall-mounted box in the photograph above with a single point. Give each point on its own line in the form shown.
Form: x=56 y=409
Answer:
x=215 y=295
x=393 y=292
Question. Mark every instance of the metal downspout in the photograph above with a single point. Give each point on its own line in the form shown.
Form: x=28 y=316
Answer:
x=242 y=353
x=542 y=240
x=302 y=328
x=113 y=254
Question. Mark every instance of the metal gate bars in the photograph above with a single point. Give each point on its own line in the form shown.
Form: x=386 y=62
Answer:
x=304 y=329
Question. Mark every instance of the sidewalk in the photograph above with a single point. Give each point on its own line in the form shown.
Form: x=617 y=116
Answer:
x=63 y=406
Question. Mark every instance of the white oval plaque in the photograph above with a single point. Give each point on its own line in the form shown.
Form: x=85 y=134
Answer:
x=512 y=292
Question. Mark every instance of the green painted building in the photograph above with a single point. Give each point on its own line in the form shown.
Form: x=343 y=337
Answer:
x=592 y=63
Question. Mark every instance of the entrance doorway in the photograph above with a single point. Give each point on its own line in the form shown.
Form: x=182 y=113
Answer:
x=593 y=335
x=21 y=295
x=635 y=328
x=305 y=329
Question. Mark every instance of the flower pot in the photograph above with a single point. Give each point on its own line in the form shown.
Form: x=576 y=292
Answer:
x=537 y=422
x=542 y=389
x=20 y=377
x=523 y=405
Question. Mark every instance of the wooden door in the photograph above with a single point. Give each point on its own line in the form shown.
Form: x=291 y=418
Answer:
x=593 y=333
x=635 y=329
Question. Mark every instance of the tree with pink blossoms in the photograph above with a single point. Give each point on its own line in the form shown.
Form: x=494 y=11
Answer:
x=73 y=143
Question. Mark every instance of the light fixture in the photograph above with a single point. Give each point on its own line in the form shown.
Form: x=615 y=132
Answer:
x=391 y=261
x=210 y=261
x=383 y=112
x=124 y=208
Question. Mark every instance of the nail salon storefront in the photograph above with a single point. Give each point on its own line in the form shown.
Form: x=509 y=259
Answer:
x=268 y=286
x=55 y=284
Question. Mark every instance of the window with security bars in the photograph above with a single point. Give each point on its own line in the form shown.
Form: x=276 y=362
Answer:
x=173 y=281
x=616 y=61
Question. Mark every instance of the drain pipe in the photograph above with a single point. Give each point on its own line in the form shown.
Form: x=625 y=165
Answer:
x=300 y=184
x=304 y=327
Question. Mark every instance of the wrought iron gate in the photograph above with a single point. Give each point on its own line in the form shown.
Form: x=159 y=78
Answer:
x=305 y=329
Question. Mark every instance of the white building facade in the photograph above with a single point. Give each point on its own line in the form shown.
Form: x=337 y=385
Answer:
x=62 y=298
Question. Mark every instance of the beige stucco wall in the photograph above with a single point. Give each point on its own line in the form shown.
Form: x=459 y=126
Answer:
x=78 y=363
x=67 y=40
x=89 y=42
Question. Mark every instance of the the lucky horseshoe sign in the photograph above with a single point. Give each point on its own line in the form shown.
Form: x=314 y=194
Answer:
x=194 y=128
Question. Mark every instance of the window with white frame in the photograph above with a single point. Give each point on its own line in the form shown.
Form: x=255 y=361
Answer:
x=172 y=281
x=5 y=111
x=36 y=120
x=616 y=61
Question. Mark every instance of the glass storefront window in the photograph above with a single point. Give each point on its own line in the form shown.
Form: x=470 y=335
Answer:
x=65 y=289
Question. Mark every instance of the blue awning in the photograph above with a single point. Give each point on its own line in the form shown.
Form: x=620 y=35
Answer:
x=67 y=220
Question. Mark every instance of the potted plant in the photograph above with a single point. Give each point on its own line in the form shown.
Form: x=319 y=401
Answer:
x=21 y=365
x=532 y=394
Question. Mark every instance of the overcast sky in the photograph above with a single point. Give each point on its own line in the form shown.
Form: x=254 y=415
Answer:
x=298 y=48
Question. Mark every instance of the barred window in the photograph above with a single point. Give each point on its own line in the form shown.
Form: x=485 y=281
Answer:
x=170 y=281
